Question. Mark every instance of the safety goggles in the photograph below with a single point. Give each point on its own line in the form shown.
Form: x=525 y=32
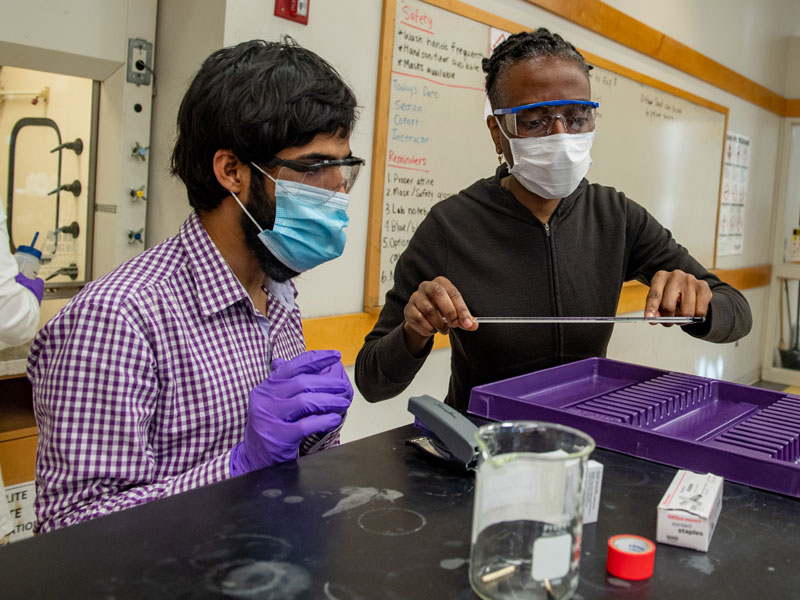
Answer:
x=536 y=120
x=329 y=175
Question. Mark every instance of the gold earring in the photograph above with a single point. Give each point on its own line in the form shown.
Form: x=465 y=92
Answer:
x=499 y=158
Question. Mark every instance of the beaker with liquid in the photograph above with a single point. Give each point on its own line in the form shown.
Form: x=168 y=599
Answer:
x=528 y=510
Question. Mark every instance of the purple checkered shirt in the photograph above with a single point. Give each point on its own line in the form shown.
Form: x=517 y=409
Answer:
x=141 y=382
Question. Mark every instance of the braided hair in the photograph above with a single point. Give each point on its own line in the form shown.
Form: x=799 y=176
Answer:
x=524 y=45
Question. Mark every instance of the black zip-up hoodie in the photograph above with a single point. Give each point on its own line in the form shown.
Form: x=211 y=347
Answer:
x=506 y=262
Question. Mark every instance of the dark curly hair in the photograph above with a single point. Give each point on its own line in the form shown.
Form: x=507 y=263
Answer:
x=521 y=46
x=255 y=99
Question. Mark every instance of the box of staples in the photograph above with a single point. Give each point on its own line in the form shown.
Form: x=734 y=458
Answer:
x=688 y=512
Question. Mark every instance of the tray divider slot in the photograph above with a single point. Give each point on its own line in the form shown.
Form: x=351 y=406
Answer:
x=649 y=402
x=774 y=429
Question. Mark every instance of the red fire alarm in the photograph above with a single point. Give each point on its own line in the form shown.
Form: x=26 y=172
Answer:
x=294 y=10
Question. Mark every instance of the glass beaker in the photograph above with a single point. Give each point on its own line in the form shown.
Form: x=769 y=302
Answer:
x=528 y=510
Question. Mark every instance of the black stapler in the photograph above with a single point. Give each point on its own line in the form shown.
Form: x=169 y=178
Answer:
x=448 y=434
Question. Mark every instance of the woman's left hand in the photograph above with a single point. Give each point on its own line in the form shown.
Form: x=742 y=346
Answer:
x=677 y=294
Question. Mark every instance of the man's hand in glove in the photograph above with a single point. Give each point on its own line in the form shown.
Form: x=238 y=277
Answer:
x=308 y=394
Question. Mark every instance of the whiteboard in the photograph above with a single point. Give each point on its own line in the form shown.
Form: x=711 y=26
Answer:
x=664 y=152
x=659 y=145
x=436 y=141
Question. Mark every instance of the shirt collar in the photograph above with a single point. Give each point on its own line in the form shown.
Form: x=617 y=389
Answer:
x=285 y=292
x=217 y=286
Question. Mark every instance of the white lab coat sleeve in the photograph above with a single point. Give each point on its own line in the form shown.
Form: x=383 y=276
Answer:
x=19 y=308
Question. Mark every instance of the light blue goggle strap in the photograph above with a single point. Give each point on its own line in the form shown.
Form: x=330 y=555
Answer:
x=516 y=109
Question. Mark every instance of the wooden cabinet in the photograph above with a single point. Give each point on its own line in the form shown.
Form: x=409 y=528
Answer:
x=18 y=433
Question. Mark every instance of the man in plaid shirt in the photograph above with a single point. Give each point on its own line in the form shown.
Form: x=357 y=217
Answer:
x=187 y=364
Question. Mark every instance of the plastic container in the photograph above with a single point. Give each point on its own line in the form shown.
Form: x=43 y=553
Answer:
x=29 y=259
x=745 y=434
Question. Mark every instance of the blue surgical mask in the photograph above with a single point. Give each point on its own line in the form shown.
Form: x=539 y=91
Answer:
x=309 y=224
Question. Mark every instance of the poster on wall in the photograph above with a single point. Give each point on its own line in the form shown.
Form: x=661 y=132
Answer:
x=730 y=238
x=20 y=500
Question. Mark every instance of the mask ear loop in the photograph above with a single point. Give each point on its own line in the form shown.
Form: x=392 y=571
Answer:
x=247 y=212
x=275 y=181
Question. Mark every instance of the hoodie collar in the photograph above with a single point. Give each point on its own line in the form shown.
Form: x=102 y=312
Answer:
x=491 y=192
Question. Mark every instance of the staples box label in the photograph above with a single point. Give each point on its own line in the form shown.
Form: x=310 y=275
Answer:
x=688 y=512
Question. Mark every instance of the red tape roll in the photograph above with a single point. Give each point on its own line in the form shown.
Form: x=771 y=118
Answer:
x=630 y=556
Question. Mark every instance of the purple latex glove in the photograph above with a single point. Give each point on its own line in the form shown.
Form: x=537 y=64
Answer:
x=34 y=285
x=308 y=394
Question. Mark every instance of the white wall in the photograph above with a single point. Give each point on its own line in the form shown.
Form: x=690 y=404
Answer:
x=793 y=68
x=78 y=37
x=120 y=128
x=185 y=35
x=741 y=34
x=747 y=36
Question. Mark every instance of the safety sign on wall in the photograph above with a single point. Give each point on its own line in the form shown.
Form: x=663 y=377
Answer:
x=730 y=231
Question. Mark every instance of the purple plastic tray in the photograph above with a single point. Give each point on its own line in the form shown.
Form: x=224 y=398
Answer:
x=745 y=434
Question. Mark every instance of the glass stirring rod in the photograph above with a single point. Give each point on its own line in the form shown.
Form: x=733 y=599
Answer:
x=665 y=320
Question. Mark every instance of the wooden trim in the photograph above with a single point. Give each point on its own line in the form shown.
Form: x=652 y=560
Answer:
x=632 y=298
x=12 y=376
x=792 y=107
x=18 y=459
x=346 y=332
x=15 y=434
x=747 y=277
x=619 y=27
x=372 y=267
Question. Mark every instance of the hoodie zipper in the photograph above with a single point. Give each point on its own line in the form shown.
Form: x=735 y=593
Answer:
x=556 y=326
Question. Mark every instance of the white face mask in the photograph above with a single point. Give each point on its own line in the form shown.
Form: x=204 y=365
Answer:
x=551 y=166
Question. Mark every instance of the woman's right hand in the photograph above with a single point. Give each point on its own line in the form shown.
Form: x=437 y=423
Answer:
x=436 y=306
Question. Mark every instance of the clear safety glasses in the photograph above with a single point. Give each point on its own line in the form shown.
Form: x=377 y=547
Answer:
x=536 y=120
x=328 y=175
